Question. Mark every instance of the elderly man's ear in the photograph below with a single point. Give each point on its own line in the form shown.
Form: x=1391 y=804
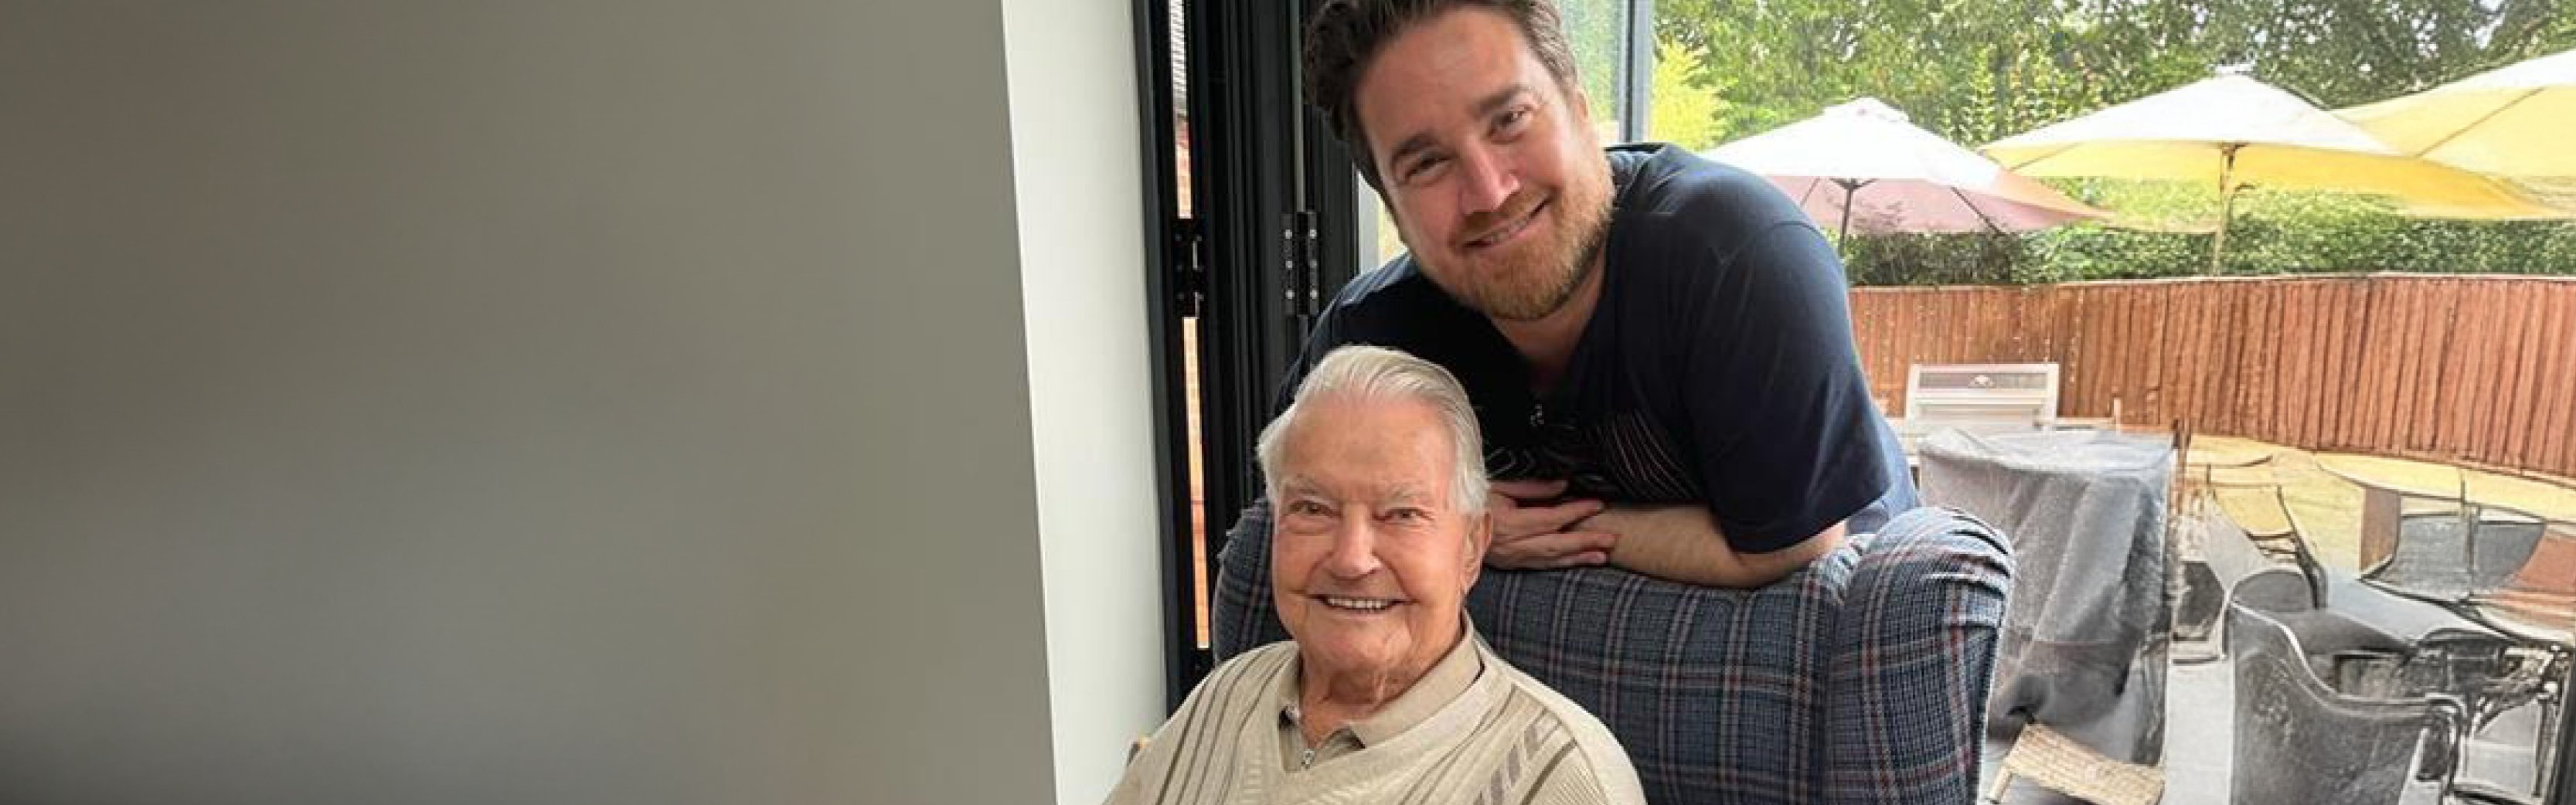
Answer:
x=1479 y=537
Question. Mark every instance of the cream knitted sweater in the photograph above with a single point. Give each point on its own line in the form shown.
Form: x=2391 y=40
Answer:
x=1506 y=740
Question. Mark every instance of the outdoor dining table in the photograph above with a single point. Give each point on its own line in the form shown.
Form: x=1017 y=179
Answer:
x=2382 y=508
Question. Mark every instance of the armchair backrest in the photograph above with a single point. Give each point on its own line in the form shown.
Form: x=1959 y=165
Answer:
x=1859 y=681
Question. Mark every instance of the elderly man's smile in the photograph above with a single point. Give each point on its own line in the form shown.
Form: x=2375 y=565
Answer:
x=1362 y=606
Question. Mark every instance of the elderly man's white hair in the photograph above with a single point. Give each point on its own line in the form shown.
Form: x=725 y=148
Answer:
x=1378 y=373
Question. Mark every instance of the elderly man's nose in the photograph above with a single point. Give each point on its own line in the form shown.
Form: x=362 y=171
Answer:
x=1354 y=551
x=1488 y=180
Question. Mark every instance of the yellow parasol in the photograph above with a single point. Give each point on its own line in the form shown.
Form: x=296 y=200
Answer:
x=2231 y=131
x=2515 y=121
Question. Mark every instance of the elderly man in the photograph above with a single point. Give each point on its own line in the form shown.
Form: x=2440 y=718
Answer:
x=1383 y=693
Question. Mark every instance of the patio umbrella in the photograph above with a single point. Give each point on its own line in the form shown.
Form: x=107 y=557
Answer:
x=2513 y=121
x=1861 y=163
x=2231 y=131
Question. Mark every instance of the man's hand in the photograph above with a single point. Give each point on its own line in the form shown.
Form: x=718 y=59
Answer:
x=1530 y=530
x=1681 y=543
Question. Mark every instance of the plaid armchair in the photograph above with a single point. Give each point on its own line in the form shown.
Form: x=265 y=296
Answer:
x=1862 y=679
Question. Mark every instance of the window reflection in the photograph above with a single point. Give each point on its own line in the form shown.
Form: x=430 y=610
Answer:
x=2368 y=528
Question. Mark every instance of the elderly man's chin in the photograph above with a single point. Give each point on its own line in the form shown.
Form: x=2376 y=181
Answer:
x=1381 y=648
x=1356 y=638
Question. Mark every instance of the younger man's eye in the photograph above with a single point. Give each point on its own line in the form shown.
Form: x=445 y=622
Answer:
x=1424 y=166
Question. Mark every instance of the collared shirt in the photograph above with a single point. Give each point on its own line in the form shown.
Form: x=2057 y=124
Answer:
x=1436 y=689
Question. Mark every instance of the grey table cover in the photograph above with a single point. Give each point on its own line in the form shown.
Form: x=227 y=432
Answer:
x=2085 y=639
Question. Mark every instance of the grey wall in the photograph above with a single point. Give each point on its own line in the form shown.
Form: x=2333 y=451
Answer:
x=527 y=401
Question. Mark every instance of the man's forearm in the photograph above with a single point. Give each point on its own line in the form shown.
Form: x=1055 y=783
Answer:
x=1682 y=543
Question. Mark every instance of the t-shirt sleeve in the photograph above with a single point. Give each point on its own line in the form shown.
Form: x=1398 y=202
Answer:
x=1785 y=428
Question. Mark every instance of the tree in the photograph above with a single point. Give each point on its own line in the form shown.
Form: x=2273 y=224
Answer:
x=1976 y=72
x=1686 y=110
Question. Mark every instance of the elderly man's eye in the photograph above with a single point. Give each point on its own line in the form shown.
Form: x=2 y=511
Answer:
x=1306 y=508
x=1408 y=515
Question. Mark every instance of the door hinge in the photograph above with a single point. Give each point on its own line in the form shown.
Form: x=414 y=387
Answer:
x=1303 y=273
x=1189 y=273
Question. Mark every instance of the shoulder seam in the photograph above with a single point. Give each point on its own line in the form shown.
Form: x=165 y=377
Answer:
x=1761 y=232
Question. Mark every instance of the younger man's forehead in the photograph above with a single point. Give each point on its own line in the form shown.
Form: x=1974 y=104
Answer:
x=1430 y=53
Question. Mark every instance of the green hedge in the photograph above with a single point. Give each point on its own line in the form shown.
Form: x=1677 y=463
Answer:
x=2271 y=233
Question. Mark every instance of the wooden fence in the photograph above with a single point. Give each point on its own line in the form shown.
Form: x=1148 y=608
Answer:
x=2471 y=369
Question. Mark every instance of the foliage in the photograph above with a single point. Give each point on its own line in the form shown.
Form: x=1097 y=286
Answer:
x=1686 y=109
x=2274 y=232
x=1979 y=71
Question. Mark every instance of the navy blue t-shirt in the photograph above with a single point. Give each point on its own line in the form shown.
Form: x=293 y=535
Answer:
x=1717 y=369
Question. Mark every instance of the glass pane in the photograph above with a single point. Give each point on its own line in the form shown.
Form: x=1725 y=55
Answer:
x=1199 y=588
x=1597 y=31
x=1390 y=245
x=2371 y=425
